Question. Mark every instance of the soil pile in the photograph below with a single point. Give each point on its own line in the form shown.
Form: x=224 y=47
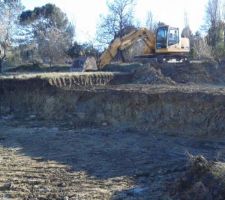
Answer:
x=204 y=180
x=151 y=74
x=199 y=73
x=172 y=73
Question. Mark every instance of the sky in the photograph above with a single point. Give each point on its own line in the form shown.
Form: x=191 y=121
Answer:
x=84 y=14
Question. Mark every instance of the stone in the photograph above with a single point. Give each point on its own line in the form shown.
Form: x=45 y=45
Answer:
x=6 y=186
x=104 y=124
x=84 y=64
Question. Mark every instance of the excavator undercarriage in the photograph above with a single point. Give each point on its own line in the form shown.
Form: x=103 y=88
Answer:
x=162 y=58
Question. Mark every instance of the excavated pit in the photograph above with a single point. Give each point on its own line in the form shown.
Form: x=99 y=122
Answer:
x=176 y=109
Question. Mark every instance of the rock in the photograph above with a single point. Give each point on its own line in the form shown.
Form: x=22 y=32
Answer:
x=44 y=190
x=84 y=64
x=6 y=186
x=61 y=184
x=199 y=164
x=136 y=49
x=32 y=116
x=200 y=190
x=104 y=124
x=138 y=191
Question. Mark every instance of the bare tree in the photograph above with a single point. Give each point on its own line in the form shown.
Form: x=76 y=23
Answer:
x=213 y=21
x=201 y=49
x=119 y=17
x=9 y=11
x=52 y=45
x=150 y=22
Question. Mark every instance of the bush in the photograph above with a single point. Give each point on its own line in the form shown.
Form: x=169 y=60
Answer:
x=201 y=50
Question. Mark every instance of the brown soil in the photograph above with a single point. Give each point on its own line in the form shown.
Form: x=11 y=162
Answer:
x=56 y=162
x=76 y=136
x=180 y=109
x=170 y=73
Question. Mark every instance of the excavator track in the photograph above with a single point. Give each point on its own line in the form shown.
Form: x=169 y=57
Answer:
x=162 y=58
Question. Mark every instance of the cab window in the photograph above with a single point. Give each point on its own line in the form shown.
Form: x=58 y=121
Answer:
x=161 y=41
x=173 y=36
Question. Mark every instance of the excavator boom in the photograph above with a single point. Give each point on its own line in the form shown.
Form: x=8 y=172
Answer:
x=125 y=42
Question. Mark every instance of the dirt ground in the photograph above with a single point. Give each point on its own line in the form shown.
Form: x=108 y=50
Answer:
x=42 y=158
x=39 y=161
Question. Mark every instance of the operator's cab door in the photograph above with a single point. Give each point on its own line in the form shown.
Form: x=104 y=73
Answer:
x=161 y=37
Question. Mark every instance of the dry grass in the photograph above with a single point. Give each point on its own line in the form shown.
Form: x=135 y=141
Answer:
x=49 y=75
x=67 y=80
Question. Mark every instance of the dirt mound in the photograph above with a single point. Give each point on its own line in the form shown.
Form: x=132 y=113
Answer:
x=204 y=180
x=151 y=74
x=137 y=48
x=200 y=73
x=171 y=73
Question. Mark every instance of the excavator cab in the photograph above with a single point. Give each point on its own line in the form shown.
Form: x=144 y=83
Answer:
x=168 y=41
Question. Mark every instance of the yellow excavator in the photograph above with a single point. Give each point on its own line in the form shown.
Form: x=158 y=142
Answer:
x=163 y=45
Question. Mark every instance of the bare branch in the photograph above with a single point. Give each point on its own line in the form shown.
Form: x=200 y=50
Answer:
x=120 y=16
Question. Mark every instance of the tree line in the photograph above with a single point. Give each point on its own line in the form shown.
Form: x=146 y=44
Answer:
x=45 y=35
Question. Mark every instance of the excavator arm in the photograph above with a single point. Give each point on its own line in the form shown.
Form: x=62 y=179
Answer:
x=125 y=42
